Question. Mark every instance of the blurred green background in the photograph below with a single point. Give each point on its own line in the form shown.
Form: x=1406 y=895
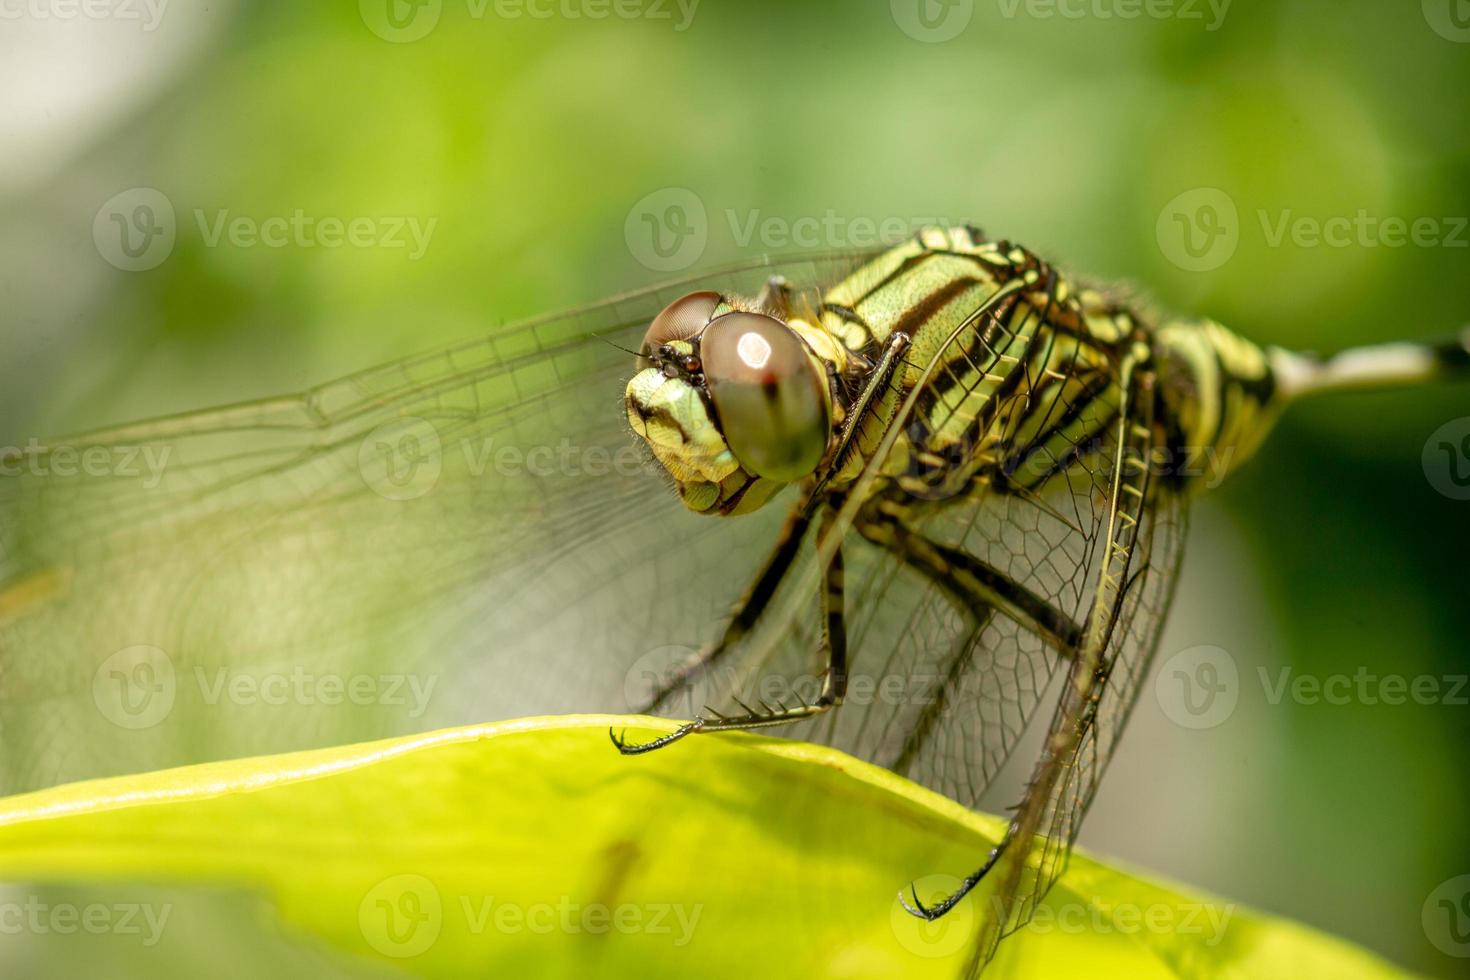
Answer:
x=532 y=152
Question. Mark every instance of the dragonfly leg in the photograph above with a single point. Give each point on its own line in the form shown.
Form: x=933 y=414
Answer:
x=1077 y=713
x=834 y=680
x=748 y=609
x=1059 y=789
x=932 y=912
x=759 y=593
x=972 y=583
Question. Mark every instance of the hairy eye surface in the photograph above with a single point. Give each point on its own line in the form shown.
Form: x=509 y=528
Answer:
x=769 y=396
x=682 y=319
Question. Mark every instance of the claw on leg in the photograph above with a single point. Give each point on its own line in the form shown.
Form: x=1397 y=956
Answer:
x=627 y=748
x=917 y=909
x=920 y=911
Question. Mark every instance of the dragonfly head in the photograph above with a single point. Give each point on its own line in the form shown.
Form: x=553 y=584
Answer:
x=733 y=403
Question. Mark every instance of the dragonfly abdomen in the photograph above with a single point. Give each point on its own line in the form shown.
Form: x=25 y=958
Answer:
x=1220 y=397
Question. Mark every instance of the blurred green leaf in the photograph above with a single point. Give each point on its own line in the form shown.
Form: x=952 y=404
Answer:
x=532 y=844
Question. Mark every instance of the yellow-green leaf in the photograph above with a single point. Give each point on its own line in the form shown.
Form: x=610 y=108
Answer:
x=533 y=848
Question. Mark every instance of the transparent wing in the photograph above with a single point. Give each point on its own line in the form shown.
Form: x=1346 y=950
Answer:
x=464 y=535
x=942 y=685
x=1142 y=540
x=971 y=674
x=943 y=682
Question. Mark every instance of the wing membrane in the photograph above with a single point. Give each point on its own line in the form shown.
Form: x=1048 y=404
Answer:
x=940 y=688
x=477 y=521
x=1137 y=566
x=466 y=534
x=942 y=684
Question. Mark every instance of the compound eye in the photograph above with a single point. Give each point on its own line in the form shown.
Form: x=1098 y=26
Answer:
x=682 y=319
x=769 y=395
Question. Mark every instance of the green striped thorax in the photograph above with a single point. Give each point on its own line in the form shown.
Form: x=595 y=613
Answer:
x=736 y=400
x=735 y=403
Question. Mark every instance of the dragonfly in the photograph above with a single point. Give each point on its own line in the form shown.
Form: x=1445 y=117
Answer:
x=1024 y=447
x=944 y=486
